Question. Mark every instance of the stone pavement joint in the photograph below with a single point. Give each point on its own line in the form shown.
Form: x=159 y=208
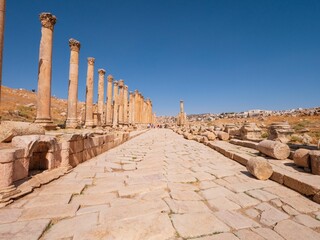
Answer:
x=161 y=186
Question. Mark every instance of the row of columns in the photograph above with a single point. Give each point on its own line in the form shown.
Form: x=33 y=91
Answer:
x=120 y=108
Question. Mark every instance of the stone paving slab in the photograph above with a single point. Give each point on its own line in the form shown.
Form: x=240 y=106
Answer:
x=177 y=190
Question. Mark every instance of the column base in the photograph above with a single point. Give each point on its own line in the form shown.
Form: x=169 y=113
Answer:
x=47 y=124
x=72 y=123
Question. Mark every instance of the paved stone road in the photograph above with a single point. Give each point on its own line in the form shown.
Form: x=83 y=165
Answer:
x=161 y=186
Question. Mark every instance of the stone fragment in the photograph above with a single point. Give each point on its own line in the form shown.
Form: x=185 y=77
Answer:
x=259 y=167
x=270 y=215
x=67 y=228
x=24 y=230
x=224 y=136
x=243 y=199
x=301 y=158
x=301 y=204
x=267 y=233
x=191 y=225
x=290 y=230
x=222 y=203
x=180 y=207
x=9 y=215
x=245 y=234
x=307 y=221
x=261 y=195
x=52 y=211
x=216 y=192
x=236 y=220
x=11 y=129
x=315 y=162
x=280 y=131
x=274 y=149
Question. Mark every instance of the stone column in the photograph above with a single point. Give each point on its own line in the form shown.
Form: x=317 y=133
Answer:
x=72 y=121
x=101 y=97
x=121 y=102
x=115 y=104
x=89 y=94
x=136 y=93
x=45 y=72
x=2 y=22
x=131 y=108
x=109 y=101
x=125 y=105
x=181 y=106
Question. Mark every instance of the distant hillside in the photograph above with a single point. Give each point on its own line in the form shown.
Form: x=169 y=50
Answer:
x=20 y=105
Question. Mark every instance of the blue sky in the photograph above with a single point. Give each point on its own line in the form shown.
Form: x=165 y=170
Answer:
x=216 y=55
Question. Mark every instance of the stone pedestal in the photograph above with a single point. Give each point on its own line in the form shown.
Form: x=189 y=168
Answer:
x=280 y=131
x=101 y=118
x=250 y=131
x=89 y=94
x=72 y=121
x=115 y=104
x=45 y=72
x=109 y=101
x=232 y=129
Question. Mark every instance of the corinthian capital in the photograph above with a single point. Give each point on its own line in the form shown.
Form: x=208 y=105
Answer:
x=101 y=71
x=47 y=20
x=110 y=78
x=74 y=45
x=91 y=60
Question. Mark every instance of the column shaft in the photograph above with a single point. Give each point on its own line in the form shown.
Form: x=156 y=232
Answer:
x=109 y=101
x=72 y=121
x=89 y=94
x=101 y=97
x=2 y=23
x=45 y=70
x=125 y=105
x=115 y=104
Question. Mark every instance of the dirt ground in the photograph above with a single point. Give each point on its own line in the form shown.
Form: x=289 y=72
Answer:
x=20 y=105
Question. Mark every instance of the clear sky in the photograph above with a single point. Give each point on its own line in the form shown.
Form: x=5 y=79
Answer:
x=216 y=55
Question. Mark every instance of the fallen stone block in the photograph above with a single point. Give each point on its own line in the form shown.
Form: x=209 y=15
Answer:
x=274 y=149
x=10 y=129
x=315 y=161
x=301 y=158
x=260 y=168
x=222 y=135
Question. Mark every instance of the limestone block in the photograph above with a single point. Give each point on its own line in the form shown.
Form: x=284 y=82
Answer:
x=6 y=173
x=274 y=149
x=21 y=168
x=301 y=158
x=315 y=161
x=210 y=135
x=7 y=155
x=75 y=159
x=76 y=146
x=10 y=129
x=260 y=168
x=222 y=135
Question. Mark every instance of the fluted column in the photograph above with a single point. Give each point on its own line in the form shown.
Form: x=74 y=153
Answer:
x=101 y=97
x=115 y=104
x=109 y=101
x=45 y=71
x=89 y=94
x=125 y=105
x=72 y=121
x=121 y=102
x=2 y=22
